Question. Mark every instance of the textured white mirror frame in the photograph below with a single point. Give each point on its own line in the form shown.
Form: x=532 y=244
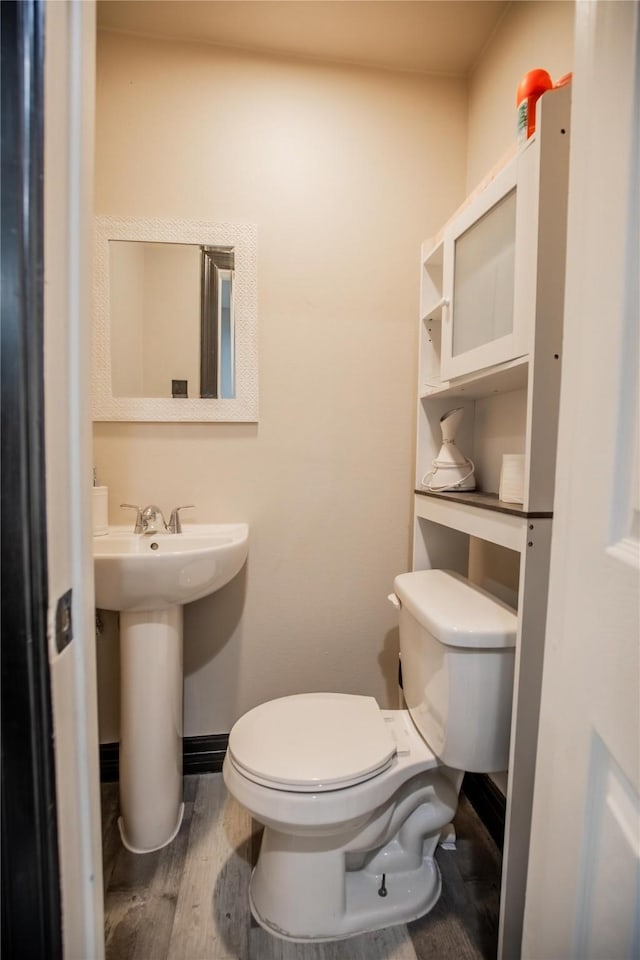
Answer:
x=243 y=237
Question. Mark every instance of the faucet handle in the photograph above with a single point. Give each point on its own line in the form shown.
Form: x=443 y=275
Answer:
x=132 y=506
x=175 y=526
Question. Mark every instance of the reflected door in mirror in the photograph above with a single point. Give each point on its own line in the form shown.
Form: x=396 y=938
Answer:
x=217 y=353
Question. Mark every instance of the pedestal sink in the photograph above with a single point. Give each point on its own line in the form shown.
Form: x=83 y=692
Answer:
x=148 y=578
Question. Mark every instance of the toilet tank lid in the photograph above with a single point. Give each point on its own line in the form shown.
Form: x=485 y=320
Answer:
x=457 y=612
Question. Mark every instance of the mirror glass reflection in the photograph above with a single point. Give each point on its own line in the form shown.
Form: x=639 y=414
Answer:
x=172 y=320
x=175 y=320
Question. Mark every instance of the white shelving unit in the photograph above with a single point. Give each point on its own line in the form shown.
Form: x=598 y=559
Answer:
x=432 y=303
x=510 y=406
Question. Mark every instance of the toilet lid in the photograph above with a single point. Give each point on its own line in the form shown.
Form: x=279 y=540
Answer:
x=312 y=742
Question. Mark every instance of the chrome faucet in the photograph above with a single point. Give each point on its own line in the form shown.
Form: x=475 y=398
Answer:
x=151 y=519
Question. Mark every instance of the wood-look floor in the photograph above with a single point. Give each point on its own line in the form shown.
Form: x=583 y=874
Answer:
x=189 y=901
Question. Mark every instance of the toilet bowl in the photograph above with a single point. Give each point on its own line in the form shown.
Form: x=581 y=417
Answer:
x=354 y=798
x=325 y=847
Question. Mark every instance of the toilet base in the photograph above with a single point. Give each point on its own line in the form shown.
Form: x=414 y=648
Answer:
x=409 y=895
x=318 y=885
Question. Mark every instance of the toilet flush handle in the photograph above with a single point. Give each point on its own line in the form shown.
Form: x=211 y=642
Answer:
x=393 y=600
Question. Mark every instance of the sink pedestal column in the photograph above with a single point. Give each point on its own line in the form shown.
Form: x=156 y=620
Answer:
x=150 y=728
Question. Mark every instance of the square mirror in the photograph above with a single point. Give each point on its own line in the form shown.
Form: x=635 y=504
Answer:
x=175 y=320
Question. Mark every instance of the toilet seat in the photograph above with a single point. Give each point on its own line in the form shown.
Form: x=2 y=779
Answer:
x=314 y=742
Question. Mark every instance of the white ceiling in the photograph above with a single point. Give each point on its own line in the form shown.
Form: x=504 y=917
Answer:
x=426 y=36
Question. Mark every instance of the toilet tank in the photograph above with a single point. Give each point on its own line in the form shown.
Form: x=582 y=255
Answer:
x=457 y=644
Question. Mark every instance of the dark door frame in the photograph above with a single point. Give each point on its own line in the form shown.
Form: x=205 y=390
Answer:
x=31 y=905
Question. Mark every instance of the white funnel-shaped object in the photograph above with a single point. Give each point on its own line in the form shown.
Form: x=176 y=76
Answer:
x=449 y=423
x=451 y=470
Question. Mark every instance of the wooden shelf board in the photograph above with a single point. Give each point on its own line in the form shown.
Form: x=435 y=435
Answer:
x=480 y=515
x=503 y=379
x=434 y=312
x=433 y=251
x=486 y=501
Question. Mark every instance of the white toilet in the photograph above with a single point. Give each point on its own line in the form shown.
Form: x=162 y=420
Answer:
x=354 y=798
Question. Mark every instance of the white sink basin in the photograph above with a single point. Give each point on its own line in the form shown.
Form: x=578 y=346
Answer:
x=135 y=571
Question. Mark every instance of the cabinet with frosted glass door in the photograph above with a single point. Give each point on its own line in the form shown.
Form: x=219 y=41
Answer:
x=487 y=260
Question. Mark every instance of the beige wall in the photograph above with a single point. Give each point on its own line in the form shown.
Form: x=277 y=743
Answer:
x=345 y=171
x=154 y=302
x=171 y=318
x=530 y=35
x=126 y=301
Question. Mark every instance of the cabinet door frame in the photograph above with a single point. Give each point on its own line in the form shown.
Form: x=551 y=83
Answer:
x=516 y=343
